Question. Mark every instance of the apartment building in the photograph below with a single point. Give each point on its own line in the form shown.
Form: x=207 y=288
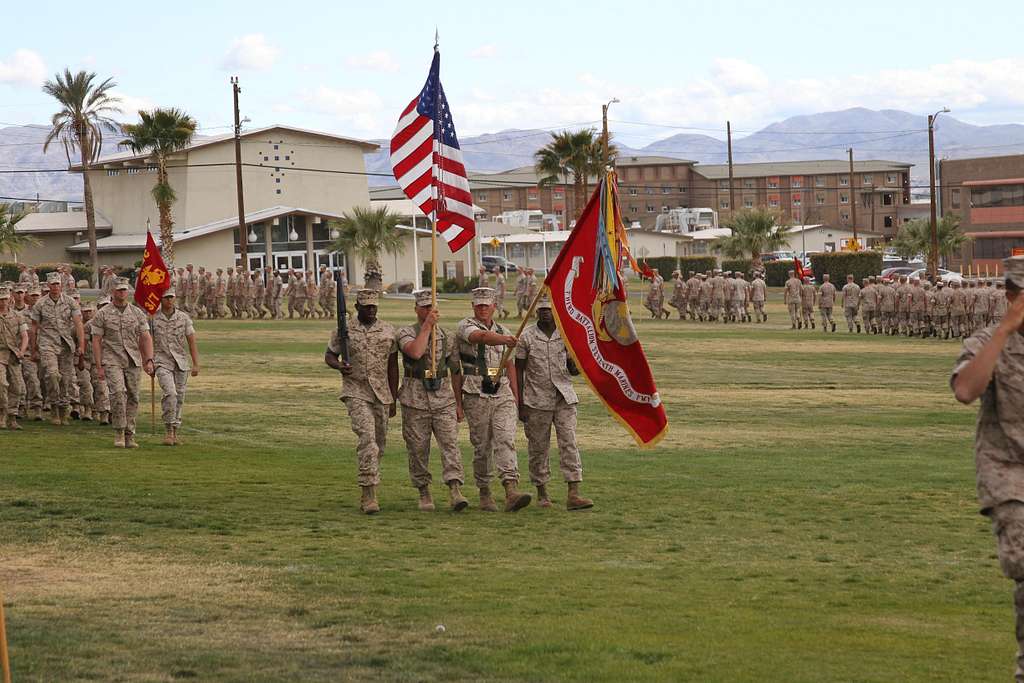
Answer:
x=988 y=195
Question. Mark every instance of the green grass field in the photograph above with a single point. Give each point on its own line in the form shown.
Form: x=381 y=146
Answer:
x=810 y=516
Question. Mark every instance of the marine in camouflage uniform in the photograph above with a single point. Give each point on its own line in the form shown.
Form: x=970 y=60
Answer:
x=851 y=303
x=547 y=399
x=176 y=356
x=678 y=300
x=490 y=401
x=522 y=303
x=940 y=311
x=917 y=307
x=869 y=305
x=758 y=296
x=957 y=309
x=431 y=402
x=101 y=396
x=791 y=297
x=704 y=297
x=122 y=348
x=13 y=347
x=32 y=397
x=998 y=301
x=56 y=324
x=887 y=308
x=808 y=295
x=368 y=389
x=982 y=306
x=693 y=296
x=717 y=296
x=826 y=302
x=499 y=293
x=991 y=367
x=86 y=403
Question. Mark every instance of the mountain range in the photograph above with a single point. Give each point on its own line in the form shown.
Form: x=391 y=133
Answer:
x=886 y=134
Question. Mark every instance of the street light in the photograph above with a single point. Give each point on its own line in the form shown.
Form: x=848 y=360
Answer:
x=604 y=129
x=933 y=258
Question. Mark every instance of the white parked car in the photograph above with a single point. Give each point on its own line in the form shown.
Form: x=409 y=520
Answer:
x=944 y=275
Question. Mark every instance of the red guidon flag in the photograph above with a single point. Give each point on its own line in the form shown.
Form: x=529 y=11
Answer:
x=588 y=298
x=153 y=280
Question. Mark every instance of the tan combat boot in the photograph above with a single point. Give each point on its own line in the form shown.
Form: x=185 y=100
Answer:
x=65 y=416
x=486 y=500
x=119 y=438
x=55 y=416
x=168 y=435
x=129 y=440
x=12 y=422
x=105 y=417
x=515 y=500
x=36 y=415
x=3 y=419
x=575 y=501
x=87 y=414
x=368 y=503
x=543 y=500
x=426 y=500
x=177 y=439
x=459 y=502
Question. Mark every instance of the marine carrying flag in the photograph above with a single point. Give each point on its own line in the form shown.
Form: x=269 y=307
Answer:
x=426 y=160
x=588 y=298
x=153 y=280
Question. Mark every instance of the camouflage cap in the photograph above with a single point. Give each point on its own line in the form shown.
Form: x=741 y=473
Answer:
x=1013 y=270
x=424 y=297
x=100 y=303
x=169 y=294
x=34 y=290
x=122 y=283
x=483 y=296
x=544 y=301
x=940 y=283
x=53 y=278
x=5 y=293
x=20 y=287
x=88 y=308
x=367 y=297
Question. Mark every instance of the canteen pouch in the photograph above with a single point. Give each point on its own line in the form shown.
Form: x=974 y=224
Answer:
x=488 y=384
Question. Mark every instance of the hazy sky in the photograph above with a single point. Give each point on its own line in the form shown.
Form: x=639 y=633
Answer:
x=351 y=67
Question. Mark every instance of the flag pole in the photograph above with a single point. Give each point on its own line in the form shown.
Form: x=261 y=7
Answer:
x=526 y=318
x=152 y=382
x=5 y=661
x=433 y=220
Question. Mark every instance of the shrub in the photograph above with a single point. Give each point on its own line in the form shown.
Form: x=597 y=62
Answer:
x=777 y=272
x=739 y=265
x=838 y=265
x=9 y=271
x=666 y=264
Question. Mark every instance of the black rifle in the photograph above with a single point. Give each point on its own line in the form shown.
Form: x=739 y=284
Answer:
x=342 y=317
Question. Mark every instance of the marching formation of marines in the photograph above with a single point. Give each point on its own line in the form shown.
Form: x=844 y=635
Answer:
x=479 y=373
x=714 y=296
x=80 y=361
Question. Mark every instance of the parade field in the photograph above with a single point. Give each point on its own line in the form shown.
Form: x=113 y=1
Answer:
x=809 y=516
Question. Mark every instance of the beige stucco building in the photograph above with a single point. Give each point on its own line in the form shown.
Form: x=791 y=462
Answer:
x=295 y=181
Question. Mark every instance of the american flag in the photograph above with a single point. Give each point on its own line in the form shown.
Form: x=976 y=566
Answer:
x=427 y=162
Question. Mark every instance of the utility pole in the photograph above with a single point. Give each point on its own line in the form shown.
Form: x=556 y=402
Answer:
x=243 y=238
x=853 y=200
x=732 y=193
x=933 y=258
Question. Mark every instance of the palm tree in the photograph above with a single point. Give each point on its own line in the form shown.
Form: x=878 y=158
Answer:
x=754 y=232
x=577 y=153
x=368 y=233
x=161 y=132
x=79 y=126
x=11 y=242
x=915 y=238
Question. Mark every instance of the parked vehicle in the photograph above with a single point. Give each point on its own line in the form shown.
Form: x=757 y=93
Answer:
x=891 y=273
x=495 y=264
x=945 y=275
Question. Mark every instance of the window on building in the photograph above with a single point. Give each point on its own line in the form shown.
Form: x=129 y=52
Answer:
x=748 y=203
x=277 y=180
x=666 y=190
x=797 y=181
x=481 y=196
x=996 y=247
x=664 y=208
x=888 y=221
x=558 y=194
x=275 y=147
x=506 y=196
x=723 y=184
x=634 y=209
x=887 y=199
x=774 y=203
x=532 y=194
x=723 y=203
x=266 y=158
x=819 y=199
x=682 y=188
x=649 y=190
x=633 y=192
x=993 y=196
x=867 y=179
x=133 y=170
x=890 y=178
x=748 y=184
x=797 y=200
x=954 y=198
x=113 y=172
x=279 y=191
x=844 y=216
x=277 y=158
x=287 y=157
x=844 y=180
x=819 y=181
x=844 y=198
x=773 y=184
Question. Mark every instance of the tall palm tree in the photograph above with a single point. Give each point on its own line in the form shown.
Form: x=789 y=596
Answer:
x=754 y=232
x=11 y=242
x=368 y=233
x=161 y=132
x=85 y=109
x=915 y=238
x=576 y=153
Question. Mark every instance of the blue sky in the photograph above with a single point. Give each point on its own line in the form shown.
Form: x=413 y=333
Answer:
x=350 y=67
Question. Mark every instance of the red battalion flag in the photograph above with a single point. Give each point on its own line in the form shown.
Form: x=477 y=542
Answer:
x=154 y=279
x=588 y=298
x=427 y=162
